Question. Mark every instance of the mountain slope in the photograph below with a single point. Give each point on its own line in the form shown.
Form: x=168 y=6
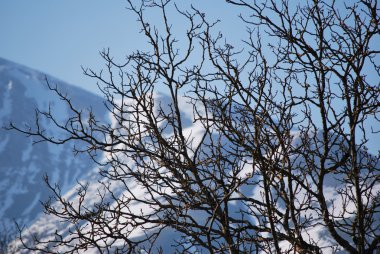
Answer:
x=22 y=164
x=31 y=163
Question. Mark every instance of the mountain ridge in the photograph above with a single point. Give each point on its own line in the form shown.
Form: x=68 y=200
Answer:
x=23 y=165
x=87 y=174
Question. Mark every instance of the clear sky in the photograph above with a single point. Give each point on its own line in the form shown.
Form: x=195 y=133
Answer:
x=58 y=37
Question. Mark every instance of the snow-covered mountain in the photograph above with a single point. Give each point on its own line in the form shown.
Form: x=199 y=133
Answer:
x=22 y=164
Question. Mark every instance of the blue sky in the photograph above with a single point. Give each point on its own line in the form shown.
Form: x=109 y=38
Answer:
x=58 y=37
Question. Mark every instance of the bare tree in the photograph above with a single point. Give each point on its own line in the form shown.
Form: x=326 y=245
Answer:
x=277 y=147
